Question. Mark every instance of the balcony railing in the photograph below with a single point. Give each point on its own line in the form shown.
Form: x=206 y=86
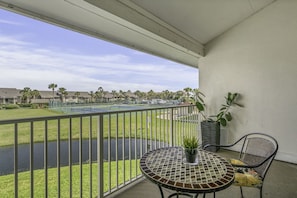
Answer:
x=85 y=155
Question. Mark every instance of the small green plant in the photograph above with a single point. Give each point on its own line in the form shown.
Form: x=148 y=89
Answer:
x=224 y=115
x=190 y=143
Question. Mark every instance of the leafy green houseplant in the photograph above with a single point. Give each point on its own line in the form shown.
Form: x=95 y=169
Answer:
x=224 y=115
x=190 y=145
x=210 y=126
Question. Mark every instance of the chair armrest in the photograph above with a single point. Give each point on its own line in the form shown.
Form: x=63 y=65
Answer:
x=229 y=145
x=216 y=145
x=253 y=165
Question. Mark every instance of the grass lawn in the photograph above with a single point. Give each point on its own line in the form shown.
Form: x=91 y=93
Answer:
x=7 y=181
x=26 y=113
x=134 y=126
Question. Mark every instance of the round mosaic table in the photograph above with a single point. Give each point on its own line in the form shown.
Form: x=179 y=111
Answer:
x=166 y=168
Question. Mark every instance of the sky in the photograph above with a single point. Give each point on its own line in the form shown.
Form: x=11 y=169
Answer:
x=35 y=54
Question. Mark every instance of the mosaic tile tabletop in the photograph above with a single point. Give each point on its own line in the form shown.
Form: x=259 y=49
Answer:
x=166 y=168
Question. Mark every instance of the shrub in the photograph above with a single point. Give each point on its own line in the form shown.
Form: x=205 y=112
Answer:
x=11 y=106
x=34 y=106
x=25 y=105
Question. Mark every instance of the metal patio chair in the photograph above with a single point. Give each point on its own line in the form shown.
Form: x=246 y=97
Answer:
x=257 y=153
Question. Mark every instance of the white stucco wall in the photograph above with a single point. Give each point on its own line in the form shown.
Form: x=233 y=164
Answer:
x=258 y=58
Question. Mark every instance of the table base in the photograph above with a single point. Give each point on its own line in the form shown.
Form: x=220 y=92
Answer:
x=180 y=193
x=177 y=194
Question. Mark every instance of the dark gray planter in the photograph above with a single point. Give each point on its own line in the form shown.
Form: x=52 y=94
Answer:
x=191 y=155
x=210 y=132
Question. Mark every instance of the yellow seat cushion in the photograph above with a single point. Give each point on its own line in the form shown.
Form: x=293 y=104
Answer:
x=247 y=177
x=236 y=162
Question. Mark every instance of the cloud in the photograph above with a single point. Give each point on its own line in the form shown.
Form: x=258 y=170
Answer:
x=9 y=22
x=8 y=40
x=24 y=64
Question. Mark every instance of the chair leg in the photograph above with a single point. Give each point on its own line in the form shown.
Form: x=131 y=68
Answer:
x=241 y=192
x=161 y=191
x=261 y=192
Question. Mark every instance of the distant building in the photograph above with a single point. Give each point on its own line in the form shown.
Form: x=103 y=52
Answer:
x=44 y=97
x=108 y=97
x=71 y=97
x=10 y=96
x=13 y=96
x=82 y=97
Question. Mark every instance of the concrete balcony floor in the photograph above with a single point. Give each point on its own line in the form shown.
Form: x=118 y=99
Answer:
x=280 y=181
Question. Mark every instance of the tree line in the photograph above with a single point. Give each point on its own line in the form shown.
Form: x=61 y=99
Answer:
x=186 y=95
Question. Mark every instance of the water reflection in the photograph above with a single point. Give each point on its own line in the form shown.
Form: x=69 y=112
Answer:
x=7 y=153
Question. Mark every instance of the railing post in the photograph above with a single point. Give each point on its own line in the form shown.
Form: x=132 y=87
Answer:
x=100 y=157
x=171 y=127
x=31 y=159
x=59 y=159
x=16 y=179
x=45 y=159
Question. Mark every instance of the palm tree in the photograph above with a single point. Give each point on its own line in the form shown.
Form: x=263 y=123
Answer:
x=151 y=94
x=52 y=86
x=143 y=95
x=187 y=91
x=171 y=95
x=138 y=93
x=35 y=93
x=99 y=93
x=62 y=91
x=165 y=95
x=26 y=94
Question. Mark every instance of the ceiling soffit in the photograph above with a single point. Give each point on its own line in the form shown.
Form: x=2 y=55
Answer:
x=202 y=20
x=138 y=16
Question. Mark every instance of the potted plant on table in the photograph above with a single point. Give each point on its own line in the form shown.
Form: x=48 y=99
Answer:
x=190 y=145
x=210 y=126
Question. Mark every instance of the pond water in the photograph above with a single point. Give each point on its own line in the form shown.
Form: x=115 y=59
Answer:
x=7 y=153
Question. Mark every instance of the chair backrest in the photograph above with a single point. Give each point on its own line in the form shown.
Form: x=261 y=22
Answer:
x=259 y=148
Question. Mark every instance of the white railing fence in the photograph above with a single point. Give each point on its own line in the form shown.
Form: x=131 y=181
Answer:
x=85 y=155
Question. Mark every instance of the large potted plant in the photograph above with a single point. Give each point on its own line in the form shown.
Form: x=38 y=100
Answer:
x=190 y=145
x=211 y=125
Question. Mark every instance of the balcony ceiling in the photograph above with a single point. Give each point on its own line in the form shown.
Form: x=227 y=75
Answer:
x=172 y=29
